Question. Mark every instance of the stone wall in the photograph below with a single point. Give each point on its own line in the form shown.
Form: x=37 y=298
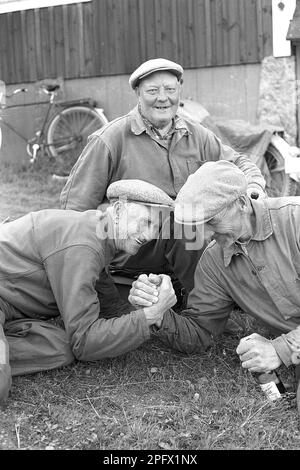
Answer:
x=278 y=95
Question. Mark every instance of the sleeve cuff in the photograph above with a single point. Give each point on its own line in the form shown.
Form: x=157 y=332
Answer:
x=142 y=317
x=282 y=350
x=164 y=327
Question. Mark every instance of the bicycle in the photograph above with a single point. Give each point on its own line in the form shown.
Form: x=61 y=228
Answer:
x=64 y=130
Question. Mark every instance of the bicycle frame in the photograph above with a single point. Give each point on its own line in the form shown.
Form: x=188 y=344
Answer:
x=38 y=141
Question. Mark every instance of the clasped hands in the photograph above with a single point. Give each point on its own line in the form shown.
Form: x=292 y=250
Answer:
x=155 y=294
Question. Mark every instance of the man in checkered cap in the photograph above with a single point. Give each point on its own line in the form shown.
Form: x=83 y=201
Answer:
x=253 y=261
x=50 y=262
x=153 y=143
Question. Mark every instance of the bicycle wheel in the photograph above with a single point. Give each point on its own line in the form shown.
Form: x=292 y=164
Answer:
x=67 y=134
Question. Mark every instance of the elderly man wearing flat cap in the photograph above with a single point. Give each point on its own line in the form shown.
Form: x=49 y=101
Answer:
x=154 y=144
x=253 y=261
x=50 y=261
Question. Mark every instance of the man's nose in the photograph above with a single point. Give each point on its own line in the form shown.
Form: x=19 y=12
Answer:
x=162 y=95
x=208 y=234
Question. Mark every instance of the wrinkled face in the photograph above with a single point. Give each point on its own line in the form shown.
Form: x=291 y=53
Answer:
x=228 y=227
x=137 y=225
x=159 y=96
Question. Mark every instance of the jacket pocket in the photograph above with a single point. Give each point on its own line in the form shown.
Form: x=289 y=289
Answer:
x=292 y=297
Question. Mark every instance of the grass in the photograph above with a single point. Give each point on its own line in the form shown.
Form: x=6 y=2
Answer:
x=152 y=398
x=26 y=189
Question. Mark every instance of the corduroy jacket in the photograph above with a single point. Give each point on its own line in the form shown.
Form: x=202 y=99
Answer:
x=50 y=261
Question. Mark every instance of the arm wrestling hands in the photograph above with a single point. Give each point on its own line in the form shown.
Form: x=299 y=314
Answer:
x=155 y=294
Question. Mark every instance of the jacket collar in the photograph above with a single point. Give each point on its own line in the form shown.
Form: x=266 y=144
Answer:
x=263 y=229
x=138 y=126
x=106 y=241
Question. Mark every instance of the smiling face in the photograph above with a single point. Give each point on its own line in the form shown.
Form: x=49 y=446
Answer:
x=137 y=224
x=231 y=225
x=159 y=96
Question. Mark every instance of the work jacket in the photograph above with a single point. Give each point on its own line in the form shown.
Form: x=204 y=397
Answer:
x=50 y=261
x=125 y=149
x=262 y=278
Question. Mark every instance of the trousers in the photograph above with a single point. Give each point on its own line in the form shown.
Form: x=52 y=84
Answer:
x=34 y=345
x=37 y=345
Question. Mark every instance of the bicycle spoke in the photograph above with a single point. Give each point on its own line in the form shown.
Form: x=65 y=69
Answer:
x=67 y=135
x=74 y=120
x=64 y=123
x=62 y=130
x=81 y=124
x=62 y=144
x=92 y=125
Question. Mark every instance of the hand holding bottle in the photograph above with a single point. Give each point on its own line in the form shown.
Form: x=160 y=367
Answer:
x=258 y=354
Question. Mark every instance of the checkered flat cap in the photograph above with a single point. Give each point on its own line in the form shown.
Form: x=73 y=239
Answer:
x=138 y=191
x=208 y=191
x=154 y=65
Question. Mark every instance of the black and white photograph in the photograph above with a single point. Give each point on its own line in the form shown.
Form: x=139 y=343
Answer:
x=149 y=228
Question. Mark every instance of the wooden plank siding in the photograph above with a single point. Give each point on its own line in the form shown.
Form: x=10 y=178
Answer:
x=112 y=37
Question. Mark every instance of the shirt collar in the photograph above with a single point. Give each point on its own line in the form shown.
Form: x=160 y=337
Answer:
x=263 y=229
x=138 y=125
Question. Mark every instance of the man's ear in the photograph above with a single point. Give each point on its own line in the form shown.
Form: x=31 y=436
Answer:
x=137 y=91
x=244 y=202
x=118 y=206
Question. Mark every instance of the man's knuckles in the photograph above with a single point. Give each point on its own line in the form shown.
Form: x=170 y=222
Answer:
x=139 y=301
x=143 y=278
x=150 y=289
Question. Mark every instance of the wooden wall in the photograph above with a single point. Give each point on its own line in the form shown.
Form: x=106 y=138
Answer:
x=111 y=37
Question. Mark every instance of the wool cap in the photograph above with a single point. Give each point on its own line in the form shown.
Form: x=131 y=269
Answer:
x=208 y=191
x=138 y=191
x=154 y=65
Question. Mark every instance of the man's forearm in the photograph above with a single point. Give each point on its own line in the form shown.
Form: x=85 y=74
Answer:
x=183 y=333
x=111 y=337
x=287 y=345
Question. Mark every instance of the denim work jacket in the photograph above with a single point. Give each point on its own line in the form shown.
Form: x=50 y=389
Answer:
x=263 y=279
x=124 y=149
x=50 y=262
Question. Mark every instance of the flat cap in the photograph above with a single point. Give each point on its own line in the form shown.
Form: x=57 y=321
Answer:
x=208 y=191
x=139 y=191
x=154 y=65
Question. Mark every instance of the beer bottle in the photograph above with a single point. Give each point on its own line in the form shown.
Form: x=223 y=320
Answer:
x=5 y=370
x=270 y=384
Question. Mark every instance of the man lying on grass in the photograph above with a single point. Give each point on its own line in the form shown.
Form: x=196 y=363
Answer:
x=253 y=261
x=50 y=262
